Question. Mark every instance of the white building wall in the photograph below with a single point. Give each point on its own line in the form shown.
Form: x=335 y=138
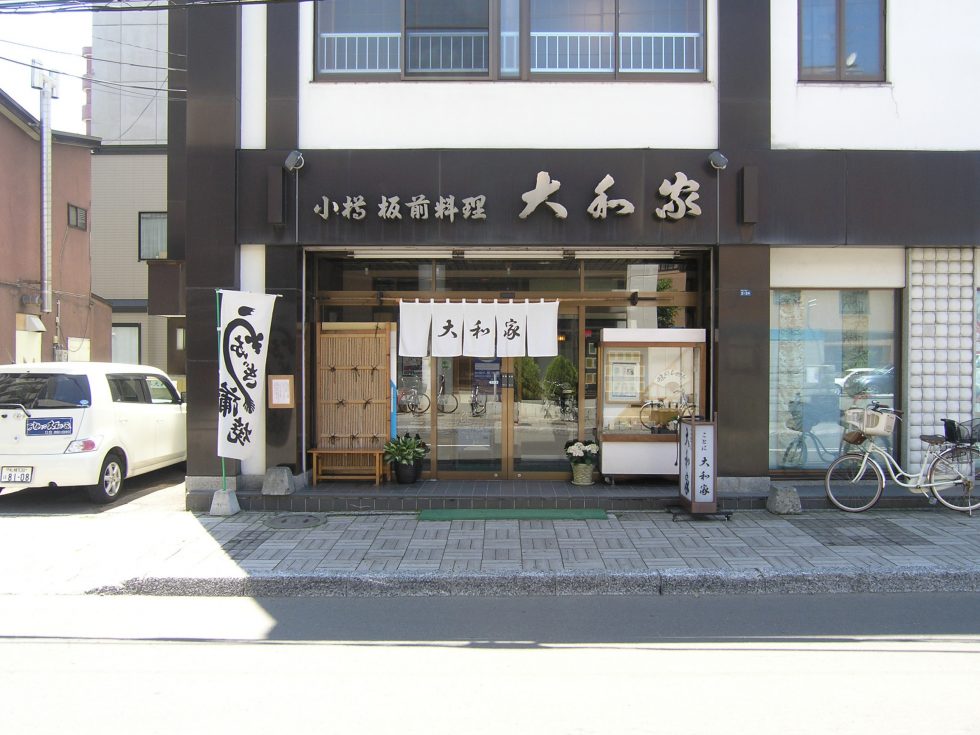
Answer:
x=122 y=187
x=504 y=114
x=932 y=58
x=129 y=70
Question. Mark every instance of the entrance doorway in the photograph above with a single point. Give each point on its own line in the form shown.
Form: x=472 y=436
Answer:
x=497 y=417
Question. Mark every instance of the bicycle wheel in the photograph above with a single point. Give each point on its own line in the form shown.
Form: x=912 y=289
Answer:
x=795 y=454
x=420 y=404
x=647 y=416
x=853 y=483
x=447 y=403
x=953 y=474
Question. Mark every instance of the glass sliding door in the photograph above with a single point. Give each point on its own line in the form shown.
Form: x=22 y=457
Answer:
x=469 y=415
x=546 y=404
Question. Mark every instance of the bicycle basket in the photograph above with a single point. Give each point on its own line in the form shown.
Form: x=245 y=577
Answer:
x=965 y=432
x=871 y=422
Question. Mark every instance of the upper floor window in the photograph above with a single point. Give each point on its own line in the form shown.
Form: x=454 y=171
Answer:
x=842 y=40
x=510 y=39
x=153 y=235
x=77 y=217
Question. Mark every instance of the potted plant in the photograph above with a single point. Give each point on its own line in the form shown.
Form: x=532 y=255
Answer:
x=402 y=452
x=583 y=456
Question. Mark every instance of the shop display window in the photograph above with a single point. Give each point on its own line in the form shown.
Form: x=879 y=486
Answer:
x=647 y=388
x=830 y=350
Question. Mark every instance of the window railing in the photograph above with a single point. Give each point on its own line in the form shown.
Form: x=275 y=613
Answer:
x=463 y=52
x=660 y=52
x=360 y=53
x=571 y=52
x=448 y=52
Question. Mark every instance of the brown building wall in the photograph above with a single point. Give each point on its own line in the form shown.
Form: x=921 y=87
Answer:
x=75 y=313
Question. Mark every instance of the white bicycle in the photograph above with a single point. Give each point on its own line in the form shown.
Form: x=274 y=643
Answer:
x=855 y=481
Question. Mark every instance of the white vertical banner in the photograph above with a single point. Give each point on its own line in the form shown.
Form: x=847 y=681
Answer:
x=542 y=328
x=245 y=319
x=511 y=329
x=414 y=320
x=447 y=329
x=480 y=335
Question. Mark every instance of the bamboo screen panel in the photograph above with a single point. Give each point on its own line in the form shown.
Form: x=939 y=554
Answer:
x=353 y=388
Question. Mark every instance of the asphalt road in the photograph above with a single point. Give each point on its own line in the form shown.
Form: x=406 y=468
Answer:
x=800 y=664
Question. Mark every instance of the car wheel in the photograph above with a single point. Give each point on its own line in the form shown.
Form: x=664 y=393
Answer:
x=110 y=481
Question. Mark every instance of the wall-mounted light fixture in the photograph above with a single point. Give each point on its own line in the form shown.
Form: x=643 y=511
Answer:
x=294 y=161
x=718 y=161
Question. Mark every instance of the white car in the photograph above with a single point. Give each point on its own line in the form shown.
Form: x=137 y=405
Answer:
x=87 y=423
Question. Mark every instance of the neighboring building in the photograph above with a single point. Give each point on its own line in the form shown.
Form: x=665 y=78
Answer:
x=831 y=226
x=78 y=323
x=128 y=110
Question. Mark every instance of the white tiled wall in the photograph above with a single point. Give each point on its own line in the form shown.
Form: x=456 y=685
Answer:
x=940 y=349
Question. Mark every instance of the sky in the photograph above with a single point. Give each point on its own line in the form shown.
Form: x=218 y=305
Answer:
x=39 y=36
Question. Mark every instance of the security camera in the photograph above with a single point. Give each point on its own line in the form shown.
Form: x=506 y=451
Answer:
x=718 y=161
x=294 y=161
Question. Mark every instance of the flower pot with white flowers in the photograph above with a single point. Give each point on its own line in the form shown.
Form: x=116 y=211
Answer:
x=584 y=456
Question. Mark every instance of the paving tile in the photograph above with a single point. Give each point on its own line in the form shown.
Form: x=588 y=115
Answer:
x=613 y=542
x=422 y=554
x=464 y=544
x=501 y=554
x=623 y=563
x=345 y=555
x=539 y=543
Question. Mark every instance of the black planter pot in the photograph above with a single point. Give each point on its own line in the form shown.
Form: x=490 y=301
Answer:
x=405 y=473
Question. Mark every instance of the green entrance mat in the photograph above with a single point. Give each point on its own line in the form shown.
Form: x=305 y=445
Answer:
x=514 y=514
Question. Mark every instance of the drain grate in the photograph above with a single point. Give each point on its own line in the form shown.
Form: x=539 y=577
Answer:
x=294 y=520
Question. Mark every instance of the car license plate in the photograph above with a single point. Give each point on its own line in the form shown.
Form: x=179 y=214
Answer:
x=16 y=474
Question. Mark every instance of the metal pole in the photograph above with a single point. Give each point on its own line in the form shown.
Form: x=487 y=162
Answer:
x=46 y=228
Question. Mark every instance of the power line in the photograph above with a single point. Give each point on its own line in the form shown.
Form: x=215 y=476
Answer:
x=93 y=6
x=133 y=45
x=101 y=61
x=93 y=80
x=137 y=118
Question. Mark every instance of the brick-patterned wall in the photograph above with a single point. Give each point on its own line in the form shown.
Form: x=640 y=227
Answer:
x=940 y=322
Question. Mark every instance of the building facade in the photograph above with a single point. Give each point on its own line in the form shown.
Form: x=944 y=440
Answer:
x=763 y=181
x=127 y=108
x=76 y=326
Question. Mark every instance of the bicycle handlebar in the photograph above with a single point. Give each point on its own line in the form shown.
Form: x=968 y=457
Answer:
x=876 y=406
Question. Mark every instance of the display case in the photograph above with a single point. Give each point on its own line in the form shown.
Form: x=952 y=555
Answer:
x=650 y=379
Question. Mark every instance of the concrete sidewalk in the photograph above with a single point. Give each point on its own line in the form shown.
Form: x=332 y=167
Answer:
x=154 y=547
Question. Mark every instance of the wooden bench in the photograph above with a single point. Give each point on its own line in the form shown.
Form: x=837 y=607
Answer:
x=343 y=464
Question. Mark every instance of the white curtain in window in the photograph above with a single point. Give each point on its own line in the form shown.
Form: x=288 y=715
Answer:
x=125 y=344
x=153 y=235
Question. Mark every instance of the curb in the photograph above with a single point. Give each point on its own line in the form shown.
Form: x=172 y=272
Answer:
x=531 y=584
